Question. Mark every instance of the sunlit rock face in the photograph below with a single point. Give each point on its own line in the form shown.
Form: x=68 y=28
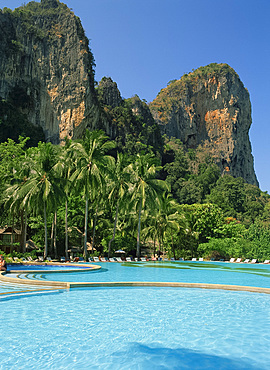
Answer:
x=211 y=108
x=46 y=68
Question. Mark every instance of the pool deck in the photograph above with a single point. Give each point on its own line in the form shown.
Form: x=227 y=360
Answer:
x=69 y=285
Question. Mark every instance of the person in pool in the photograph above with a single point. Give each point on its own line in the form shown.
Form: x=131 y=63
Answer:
x=3 y=264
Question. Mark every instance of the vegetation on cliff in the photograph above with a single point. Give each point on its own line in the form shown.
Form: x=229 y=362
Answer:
x=130 y=123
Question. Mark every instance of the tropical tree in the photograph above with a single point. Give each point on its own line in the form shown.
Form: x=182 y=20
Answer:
x=169 y=221
x=43 y=189
x=91 y=160
x=118 y=189
x=64 y=168
x=145 y=187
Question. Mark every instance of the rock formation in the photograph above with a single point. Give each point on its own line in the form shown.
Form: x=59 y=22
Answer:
x=108 y=92
x=46 y=74
x=46 y=68
x=210 y=107
x=128 y=121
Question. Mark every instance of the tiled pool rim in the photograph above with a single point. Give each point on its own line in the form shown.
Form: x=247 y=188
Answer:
x=69 y=285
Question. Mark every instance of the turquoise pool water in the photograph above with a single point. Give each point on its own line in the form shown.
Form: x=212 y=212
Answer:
x=137 y=328
x=140 y=328
x=24 y=267
x=198 y=272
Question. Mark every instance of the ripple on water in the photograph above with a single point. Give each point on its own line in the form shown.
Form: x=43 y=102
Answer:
x=133 y=328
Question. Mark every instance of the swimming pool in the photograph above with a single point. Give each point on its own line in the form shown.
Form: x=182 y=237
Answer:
x=138 y=328
x=47 y=267
x=131 y=328
x=200 y=272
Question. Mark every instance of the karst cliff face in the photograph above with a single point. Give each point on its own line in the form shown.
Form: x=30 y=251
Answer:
x=127 y=120
x=210 y=107
x=46 y=68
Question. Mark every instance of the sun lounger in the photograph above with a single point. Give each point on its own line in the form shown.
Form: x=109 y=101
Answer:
x=200 y=259
x=181 y=259
x=49 y=259
x=128 y=259
x=96 y=259
x=63 y=259
x=118 y=259
x=143 y=259
x=266 y=261
x=111 y=259
x=194 y=259
x=15 y=259
x=254 y=260
x=41 y=259
x=246 y=260
x=172 y=259
x=232 y=259
x=30 y=259
x=103 y=259
x=238 y=260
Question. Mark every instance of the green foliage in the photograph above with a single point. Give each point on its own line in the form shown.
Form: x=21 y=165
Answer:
x=226 y=248
x=54 y=175
x=238 y=199
x=191 y=174
x=132 y=132
x=209 y=70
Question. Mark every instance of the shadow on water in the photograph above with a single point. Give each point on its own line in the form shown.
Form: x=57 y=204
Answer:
x=103 y=269
x=138 y=356
x=190 y=265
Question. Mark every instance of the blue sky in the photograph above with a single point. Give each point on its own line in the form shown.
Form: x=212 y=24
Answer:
x=143 y=44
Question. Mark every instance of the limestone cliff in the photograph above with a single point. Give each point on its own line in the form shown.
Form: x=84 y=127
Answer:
x=210 y=107
x=128 y=121
x=46 y=68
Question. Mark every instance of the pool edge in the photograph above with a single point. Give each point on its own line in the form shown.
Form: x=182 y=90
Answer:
x=71 y=285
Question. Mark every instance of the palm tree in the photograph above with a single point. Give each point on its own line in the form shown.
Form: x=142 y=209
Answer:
x=91 y=161
x=43 y=189
x=118 y=189
x=64 y=168
x=168 y=220
x=13 y=195
x=145 y=188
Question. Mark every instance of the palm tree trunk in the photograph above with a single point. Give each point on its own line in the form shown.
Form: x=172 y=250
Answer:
x=173 y=249
x=52 y=233
x=25 y=231
x=94 y=229
x=85 y=228
x=154 y=249
x=12 y=232
x=139 y=231
x=46 y=236
x=22 y=229
x=66 y=231
x=54 y=238
x=114 y=229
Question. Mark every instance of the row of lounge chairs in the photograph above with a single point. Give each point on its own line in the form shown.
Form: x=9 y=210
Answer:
x=254 y=260
x=116 y=259
x=128 y=259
